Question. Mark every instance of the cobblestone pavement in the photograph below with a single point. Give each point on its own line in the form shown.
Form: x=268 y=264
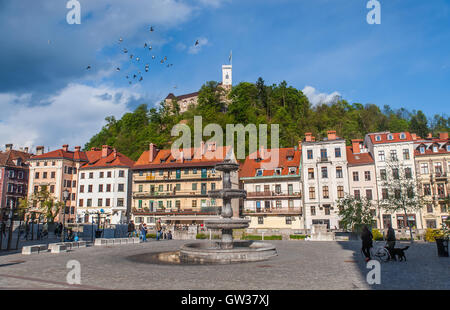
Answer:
x=299 y=265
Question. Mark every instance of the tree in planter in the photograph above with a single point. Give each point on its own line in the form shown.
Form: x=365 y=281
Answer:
x=49 y=206
x=401 y=191
x=355 y=212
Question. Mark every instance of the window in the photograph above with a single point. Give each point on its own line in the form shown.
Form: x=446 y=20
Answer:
x=431 y=224
x=82 y=175
x=381 y=156
x=435 y=148
x=394 y=155
x=290 y=203
x=36 y=175
x=53 y=163
x=194 y=203
x=369 y=194
x=424 y=168
x=426 y=189
x=402 y=136
x=89 y=203
x=121 y=173
x=383 y=174
x=337 y=152
x=100 y=202
x=141 y=188
x=323 y=154
x=52 y=189
x=260 y=220
x=377 y=138
x=101 y=174
x=438 y=169
x=340 y=191
x=194 y=171
x=89 y=188
x=327 y=209
x=80 y=203
x=20 y=175
x=355 y=176
x=312 y=193
x=259 y=172
x=108 y=174
x=44 y=175
x=121 y=187
x=278 y=188
x=288 y=220
x=410 y=192
x=441 y=190
x=91 y=175
x=390 y=137
x=74 y=184
x=53 y=174
x=278 y=204
x=292 y=170
x=384 y=193
x=290 y=189
x=81 y=188
x=367 y=175
x=100 y=188
x=324 y=172
x=310 y=154
x=405 y=154
x=429 y=208
x=326 y=193
x=108 y=187
x=422 y=149
x=310 y=173
x=194 y=186
x=339 y=174
x=107 y=202
x=395 y=174
x=408 y=173
x=357 y=194
x=313 y=210
x=277 y=171
x=120 y=202
x=397 y=193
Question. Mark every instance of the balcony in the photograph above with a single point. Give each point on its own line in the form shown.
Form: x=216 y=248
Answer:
x=323 y=159
x=274 y=211
x=210 y=210
x=274 y=194
x=169 y=194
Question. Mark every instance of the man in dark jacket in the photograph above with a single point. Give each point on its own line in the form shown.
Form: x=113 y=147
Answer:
x=366 y=237
x=390 y=238
x=131 y=229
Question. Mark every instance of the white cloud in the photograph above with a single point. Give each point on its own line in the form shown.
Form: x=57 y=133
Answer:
x=316 y=97
x=72 y=116
x=195 y=49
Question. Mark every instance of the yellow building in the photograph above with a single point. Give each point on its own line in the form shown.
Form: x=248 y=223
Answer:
x=175 y=190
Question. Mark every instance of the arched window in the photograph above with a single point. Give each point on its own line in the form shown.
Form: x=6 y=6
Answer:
x=402 y=136
x=378 y=138
x=390 y=137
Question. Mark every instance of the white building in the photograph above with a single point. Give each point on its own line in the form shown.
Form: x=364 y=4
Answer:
x=325 y=178
x=104 y=188
x=386 y=148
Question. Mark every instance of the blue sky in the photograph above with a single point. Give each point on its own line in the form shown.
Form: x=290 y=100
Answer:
x=324 y=47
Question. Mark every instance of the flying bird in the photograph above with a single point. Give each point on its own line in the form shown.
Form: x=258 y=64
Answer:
x=137 y=58
x=151 y=29
x=120 y=40
x=131 y=56
x=150 y=48
x=145 y=45
x=125 y=50
x=196 y=43
x=141 y=79
x=153 y=57
x=88 y=67
x=134 y=76
x=146 y=67
x=117 y=69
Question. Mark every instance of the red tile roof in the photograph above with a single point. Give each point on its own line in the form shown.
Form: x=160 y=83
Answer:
x=358 y=159
x=7 y=158
x=81 y=156
x=248 y=169
x=395 y=136
x=112 y=160
x=168 y=161
x=181 y=97
x=428 y=143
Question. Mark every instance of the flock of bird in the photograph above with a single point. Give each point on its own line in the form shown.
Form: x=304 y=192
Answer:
x=137 y=76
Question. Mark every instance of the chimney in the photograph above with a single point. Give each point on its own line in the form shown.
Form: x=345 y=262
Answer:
x=25 y=149
x=39 y=150
x=65 y=147
x=8 y=147
x=299 y=145
x=308 y=137
x=152 y=152
x=77 y=148
x=356 y=146
x=414 y=136
x=106 y=150
x=115 y=152
x=430 y=136
x=443 y=135
x=331 y=134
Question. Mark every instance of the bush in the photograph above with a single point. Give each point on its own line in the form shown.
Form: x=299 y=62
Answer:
x=151 y=236
x=201 y=236
x=377 y=235
x=298 y=237
x=431 y=234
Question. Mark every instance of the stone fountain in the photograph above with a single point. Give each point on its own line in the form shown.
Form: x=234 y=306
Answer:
x=227 y=251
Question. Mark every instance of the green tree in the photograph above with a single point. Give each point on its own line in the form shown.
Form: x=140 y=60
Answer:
x=355 y=212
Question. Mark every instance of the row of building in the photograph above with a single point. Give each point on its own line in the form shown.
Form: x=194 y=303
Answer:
x=302 y=189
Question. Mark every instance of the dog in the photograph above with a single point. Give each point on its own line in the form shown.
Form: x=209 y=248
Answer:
x=400 y=252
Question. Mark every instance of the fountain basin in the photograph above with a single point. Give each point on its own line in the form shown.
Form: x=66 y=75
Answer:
x=242 y=251
x=229 y=193
x=227 y=223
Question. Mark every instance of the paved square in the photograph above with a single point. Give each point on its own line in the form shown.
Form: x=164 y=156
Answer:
x=299 y=265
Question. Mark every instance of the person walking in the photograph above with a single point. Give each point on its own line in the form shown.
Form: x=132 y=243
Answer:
x=158 y=229
x=169 y=235
x=390 y=239
x=144 y=232
x=140 y=231
x=131 y=229
x=366 y=237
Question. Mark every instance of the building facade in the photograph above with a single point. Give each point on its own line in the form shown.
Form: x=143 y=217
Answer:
x=104 y=189
x=393 y=154
x=175 y=189
x=325 y=179
x=13 y=179
x=56 y=171
x=432 y=159
x=274 y=191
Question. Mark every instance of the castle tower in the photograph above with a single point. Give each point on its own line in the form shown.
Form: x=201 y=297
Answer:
x=227 y=76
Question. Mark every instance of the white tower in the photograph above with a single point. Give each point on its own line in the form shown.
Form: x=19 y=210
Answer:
x=226 y=75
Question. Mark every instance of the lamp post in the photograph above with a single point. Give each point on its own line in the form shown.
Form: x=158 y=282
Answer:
x=11 y=215
x=65 y=195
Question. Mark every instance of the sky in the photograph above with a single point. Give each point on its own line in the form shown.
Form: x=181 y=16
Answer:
x=323 y=47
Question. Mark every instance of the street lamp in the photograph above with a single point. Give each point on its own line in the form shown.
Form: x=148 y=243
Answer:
x=65 y=196
x=11 y=223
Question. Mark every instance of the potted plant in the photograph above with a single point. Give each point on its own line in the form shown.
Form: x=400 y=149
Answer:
x=442 y=239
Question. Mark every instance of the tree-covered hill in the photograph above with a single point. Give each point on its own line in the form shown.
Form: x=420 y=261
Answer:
x=257 y=103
